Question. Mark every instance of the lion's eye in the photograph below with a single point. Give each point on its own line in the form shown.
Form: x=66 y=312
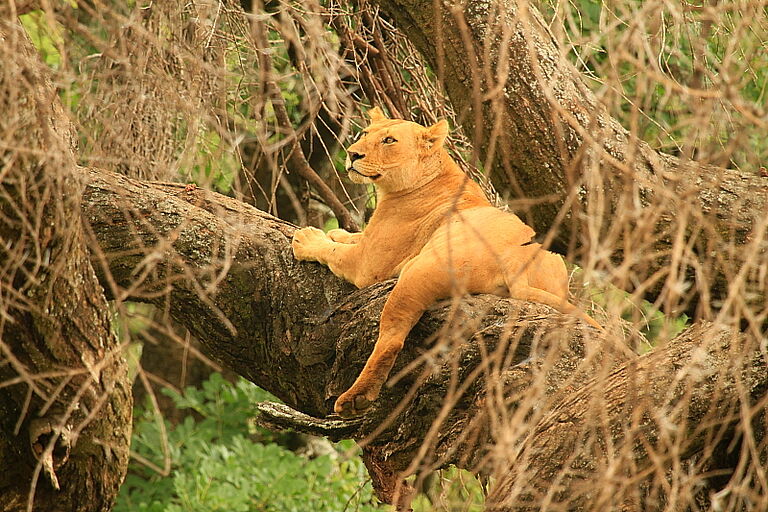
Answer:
x=388 y=140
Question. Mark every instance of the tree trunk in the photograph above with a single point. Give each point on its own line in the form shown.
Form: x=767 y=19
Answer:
x=547 y=140
x=65 y=402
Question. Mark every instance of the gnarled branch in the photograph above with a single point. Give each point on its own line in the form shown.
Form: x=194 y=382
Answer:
x=226 y=271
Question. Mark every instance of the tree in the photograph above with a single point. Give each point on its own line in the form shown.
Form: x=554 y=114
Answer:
x=555 y=413
x=66 y=397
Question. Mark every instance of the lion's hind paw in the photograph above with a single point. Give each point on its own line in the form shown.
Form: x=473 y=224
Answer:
x=352 y=406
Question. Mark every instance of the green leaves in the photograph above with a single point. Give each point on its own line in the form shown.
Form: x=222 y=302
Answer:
x=46 y=36
x=223 y=461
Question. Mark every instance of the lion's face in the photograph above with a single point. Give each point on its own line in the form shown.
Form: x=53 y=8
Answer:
x=394 y=154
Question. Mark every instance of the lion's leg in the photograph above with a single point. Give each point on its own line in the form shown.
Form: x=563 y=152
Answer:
x=548 y=272
x=532 y=294
x=311 y=244
x=421 y=283
x=344 y=237
x=530 y=265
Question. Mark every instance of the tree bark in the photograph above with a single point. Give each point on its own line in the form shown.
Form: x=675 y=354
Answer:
x=65 y=401
x=226 y=270
x=547 y=140
x=678 y=401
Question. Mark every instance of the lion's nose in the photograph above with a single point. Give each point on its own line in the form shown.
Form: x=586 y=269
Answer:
x=355 y=156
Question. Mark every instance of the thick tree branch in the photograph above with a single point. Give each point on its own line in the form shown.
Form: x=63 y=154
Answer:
x=277 y=416
x=673 y=402
x=226 y=271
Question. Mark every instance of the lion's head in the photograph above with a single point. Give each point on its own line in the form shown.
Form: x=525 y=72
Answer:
x=394 y=154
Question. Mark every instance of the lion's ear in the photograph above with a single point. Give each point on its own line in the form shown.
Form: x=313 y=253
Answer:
x=376 y=114
x=435 y=135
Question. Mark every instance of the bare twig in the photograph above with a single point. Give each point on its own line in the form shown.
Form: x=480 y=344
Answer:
x=296 y=159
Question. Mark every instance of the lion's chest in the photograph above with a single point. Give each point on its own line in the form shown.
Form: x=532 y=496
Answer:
x=385 y=251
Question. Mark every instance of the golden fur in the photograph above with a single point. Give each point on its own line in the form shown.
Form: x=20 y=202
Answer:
x=434 y=228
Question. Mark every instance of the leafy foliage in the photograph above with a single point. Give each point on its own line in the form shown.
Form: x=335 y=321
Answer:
x=640 y=56
x=451 y=489
x=219 y=459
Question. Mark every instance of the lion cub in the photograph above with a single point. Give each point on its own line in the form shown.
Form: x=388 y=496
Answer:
x=434 y=228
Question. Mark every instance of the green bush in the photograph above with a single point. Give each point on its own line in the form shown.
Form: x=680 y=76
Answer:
x=223 y=461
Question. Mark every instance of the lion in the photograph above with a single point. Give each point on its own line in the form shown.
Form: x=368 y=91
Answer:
x=433 y=229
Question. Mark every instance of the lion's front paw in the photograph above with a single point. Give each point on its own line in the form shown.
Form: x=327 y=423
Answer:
x=354 y=402
x=308 y=244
